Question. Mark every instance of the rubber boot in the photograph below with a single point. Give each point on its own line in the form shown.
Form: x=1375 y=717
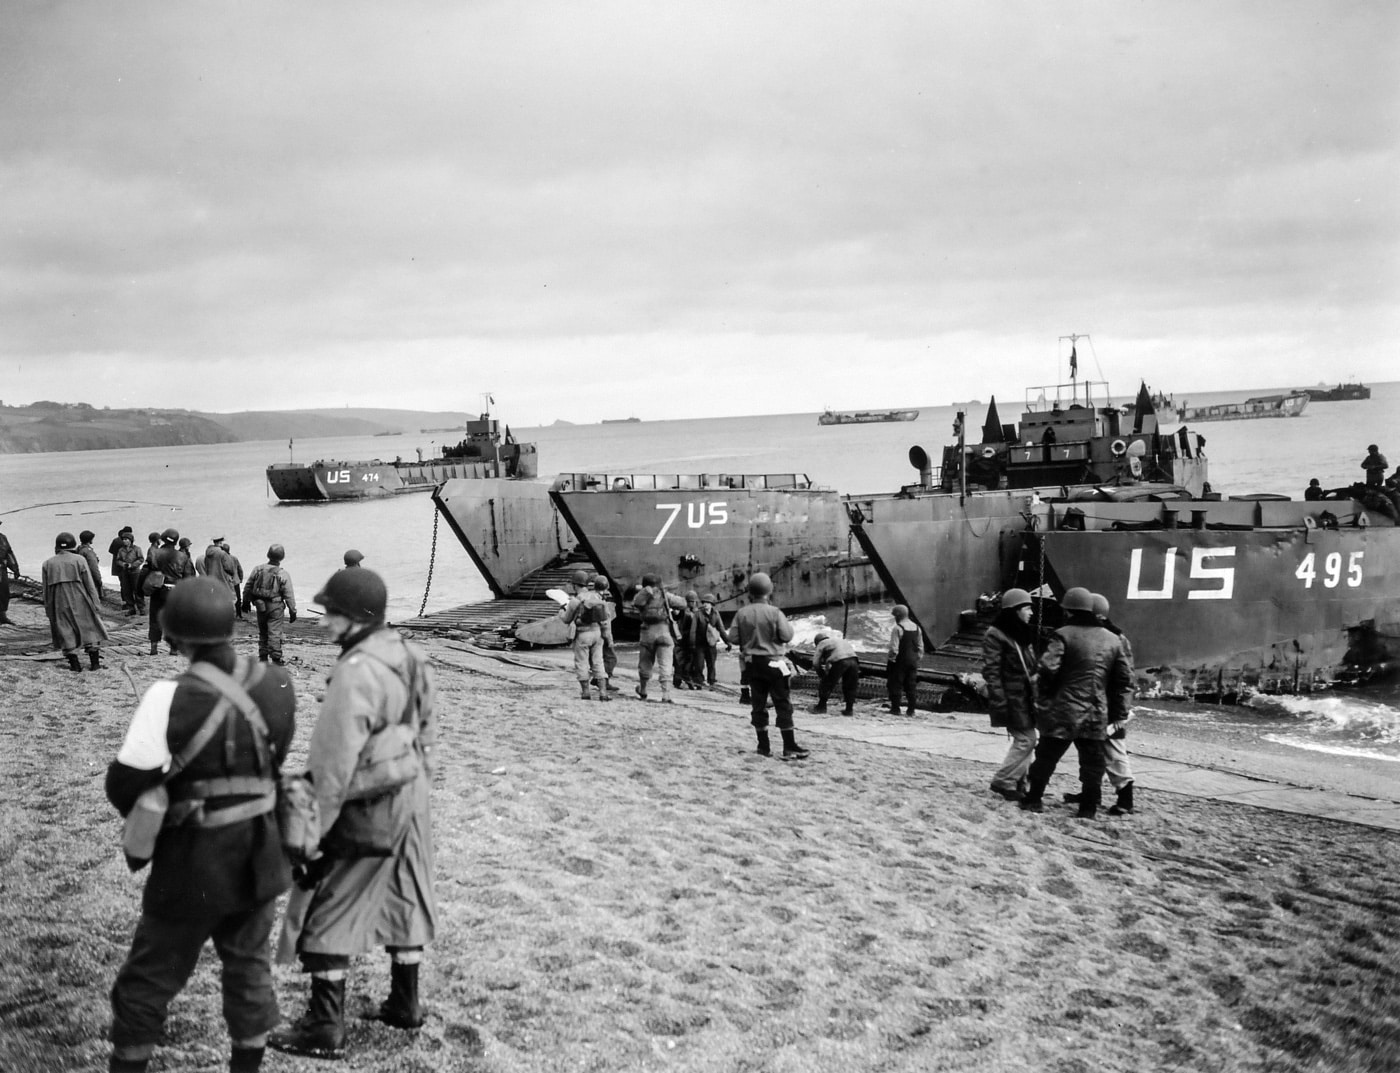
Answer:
x=246 y=1059
x=791 y=750
x=584 y=691
x=1124 y=804
x=764 y=748
x=401 y=1009
x=94 y=658
x=320 y=1031
x=603 y=693
x=155 y=648
x=74 y=664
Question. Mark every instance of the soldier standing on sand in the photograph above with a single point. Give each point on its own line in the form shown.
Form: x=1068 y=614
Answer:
x=218 y=874
x=1115 y=746
x=8 y=565
x=587 y=614
x=600 y=586
x=657 y=644
x=116 y=546
x=1008 y=668
x=164 y=567
x=1088 y=687
x=763 y=633
x=126 y=564
x=218 y=564
x=237 y=578
x=353 y=558
x=269 y=593
x=71 y=603
x=902 y=659
x=89 y=553
x=373 y=884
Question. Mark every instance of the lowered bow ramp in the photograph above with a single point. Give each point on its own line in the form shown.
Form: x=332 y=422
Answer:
x=509 y=528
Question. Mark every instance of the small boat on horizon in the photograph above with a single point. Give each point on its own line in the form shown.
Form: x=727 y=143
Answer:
x=865 y=417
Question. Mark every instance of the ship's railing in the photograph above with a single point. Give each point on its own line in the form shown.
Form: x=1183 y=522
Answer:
x=1090 y=394
x=660 y=482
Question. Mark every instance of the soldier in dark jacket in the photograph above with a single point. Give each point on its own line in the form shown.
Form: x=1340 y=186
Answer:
x=71 y=603
x=218 y=864
x=836 y=664
x=269 y=593
x=126 y=564
x=165 y=566
x=89 y=553
x=1008 y=667
x=1087 y=683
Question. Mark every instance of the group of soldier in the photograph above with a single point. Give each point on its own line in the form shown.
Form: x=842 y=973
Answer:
x=207 y=746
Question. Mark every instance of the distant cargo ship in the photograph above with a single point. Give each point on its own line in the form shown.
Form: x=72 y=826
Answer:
x=1341 y=393
x=484 y=452
x=621 y=420
x=1290 y=405
x=865 y=417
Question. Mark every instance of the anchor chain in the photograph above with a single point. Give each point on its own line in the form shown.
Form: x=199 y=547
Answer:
x=432 y=562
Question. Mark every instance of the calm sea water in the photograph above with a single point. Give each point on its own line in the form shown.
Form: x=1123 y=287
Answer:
x=219 y=490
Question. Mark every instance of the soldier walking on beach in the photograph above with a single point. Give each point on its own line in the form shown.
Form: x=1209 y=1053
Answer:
x=763 y=634
x=89 y=554
x=1116 y=764
x=8 y=565
x=1008 y=668
x=586 y=614
x=215 y=738
x=601 y=587
x=906 y=648
x=657 y=643
x=237 y=578
x=836 y=665
x=373 y=884
x=71 y=602
x=1088 y=685
x=269 y=593
x=712 y=636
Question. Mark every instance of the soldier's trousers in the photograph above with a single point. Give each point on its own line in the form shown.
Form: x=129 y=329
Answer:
x=271 y=625
x=163 y=954
x=765 y=682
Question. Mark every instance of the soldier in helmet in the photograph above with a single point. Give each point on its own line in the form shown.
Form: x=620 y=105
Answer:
x=352 y=557
x=657 y=643
x=164 y=567
x=218 y=865
x=269 y=593
x=8 y=565
x=236 y=577
x=71 y=601
x=347 y=902
x=603 y=588
x=902 y=657
x=89 y=554
x=1115 y=747
x=836 y=664
x=1087 y=685
x=763 y=634
x=1008 y=668
x=587 y=614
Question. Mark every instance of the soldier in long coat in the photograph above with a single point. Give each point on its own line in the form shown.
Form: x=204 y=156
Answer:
x=1008 y=668
x=71 y=602
x=346 y=904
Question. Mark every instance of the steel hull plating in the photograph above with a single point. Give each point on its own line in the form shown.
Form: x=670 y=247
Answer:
x=509 y=528
x=321 y=481
x=711 y=539
x=1267 y=602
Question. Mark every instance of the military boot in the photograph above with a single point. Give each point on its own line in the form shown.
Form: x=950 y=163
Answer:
x=320 y=1031
x=603 y=691
x=402 y=1009
x=584 y=691
x=127 y=1065
x=764 y=748
x=246 y=1059
x=1124 y=804
x=155 y=648
x=74 y=663
x=791 y=750
x=94 y=658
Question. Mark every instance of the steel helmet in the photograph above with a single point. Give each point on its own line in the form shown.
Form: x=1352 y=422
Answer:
x=650 y=579
x=600 y=583
x=185 y=542
x=579 y=577
x=357 y=594
x=86 y=536
x=198 y=611
x=152 y=537
x=760 y=584
x=819 y=638
x=64 y=541
x=353 y=557
x=169 y=536
x=1077 y=599
x=1014 y=598
x=276 y=553
x=1100 y=605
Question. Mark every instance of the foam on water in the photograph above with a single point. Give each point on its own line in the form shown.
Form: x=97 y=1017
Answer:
x=1344 y=724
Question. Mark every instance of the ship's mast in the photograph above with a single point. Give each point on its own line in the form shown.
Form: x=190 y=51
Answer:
x=1074 y=367
x=486 y=401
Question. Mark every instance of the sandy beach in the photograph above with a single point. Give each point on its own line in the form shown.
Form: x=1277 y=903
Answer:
x=630 y=887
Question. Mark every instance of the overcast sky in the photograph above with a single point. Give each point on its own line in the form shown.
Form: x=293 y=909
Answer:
x=597 y=209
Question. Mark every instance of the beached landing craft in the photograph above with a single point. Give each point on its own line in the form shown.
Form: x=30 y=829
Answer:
x=483 y=453
x=1219 y=596
x=1291 y=405
x=709 y=532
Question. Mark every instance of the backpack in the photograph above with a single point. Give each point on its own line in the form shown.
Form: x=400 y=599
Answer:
x=655 y=609
x=595 y=614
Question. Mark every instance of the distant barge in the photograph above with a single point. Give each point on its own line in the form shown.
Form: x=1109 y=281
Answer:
x=1291 y=405
x=1341 y=393
x=865 y=417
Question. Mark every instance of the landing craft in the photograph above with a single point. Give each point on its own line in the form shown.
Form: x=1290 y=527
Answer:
x=1219 y=596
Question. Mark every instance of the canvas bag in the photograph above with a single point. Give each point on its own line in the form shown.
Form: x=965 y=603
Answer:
x=378 y=807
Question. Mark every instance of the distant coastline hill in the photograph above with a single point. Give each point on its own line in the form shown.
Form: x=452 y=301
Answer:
x=77 y=426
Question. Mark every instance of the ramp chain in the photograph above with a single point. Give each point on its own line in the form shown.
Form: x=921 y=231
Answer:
x=432 y=562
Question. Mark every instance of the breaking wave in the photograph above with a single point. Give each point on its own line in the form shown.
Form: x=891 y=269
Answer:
x=1342 y=724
